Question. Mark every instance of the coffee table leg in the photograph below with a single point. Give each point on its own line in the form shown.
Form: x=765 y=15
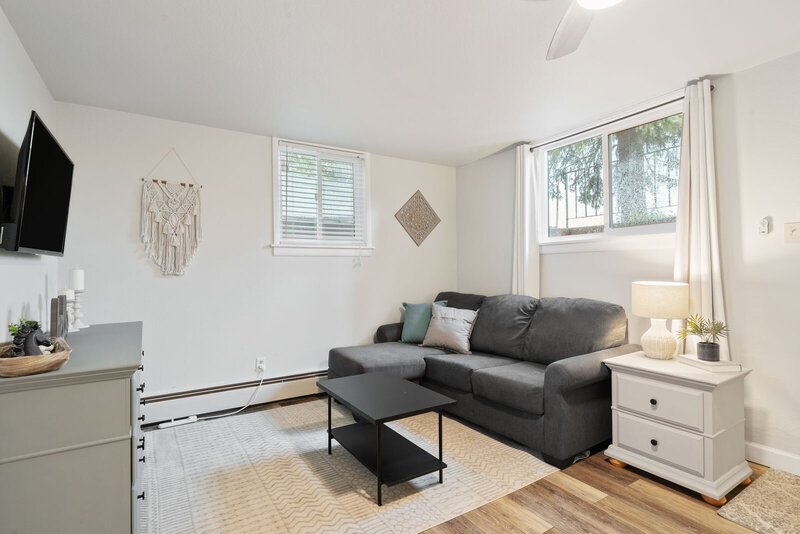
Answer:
x=441 y=471
x=378 y=469
x=329 y=424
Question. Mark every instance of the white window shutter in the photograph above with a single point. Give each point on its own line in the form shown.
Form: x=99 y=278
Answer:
x=322 y=196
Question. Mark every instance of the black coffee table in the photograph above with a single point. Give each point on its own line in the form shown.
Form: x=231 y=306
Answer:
x=379 y=398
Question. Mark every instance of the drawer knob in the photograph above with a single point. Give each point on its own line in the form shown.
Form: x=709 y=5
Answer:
x=143 y=459
x=141 y=368
x=141 y=417
x=140 y=496
x=653 y=402
x=141 y=388
x=654 y=442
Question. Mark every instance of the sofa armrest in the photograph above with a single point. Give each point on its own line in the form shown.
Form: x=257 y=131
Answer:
x=584 y=370
x=577 y=403
x=389 y=332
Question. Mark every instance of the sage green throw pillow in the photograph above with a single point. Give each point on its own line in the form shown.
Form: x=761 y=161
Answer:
x=418 y=316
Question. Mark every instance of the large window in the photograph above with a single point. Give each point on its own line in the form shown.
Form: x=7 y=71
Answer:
x=321 y=199
x=617 y=179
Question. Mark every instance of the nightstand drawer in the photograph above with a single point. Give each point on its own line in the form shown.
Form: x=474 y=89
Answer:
x=660 y=400
x=679 y=448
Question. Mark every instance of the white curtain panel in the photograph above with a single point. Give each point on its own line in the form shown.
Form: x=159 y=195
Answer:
x=525 y=269
x=697 y=259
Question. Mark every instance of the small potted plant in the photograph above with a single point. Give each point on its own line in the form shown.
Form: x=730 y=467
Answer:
x=709 y=332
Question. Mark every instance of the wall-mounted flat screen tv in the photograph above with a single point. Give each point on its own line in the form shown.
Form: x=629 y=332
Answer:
x=35 y=208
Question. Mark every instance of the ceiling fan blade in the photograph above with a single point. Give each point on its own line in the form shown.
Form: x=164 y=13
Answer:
x=570 y=31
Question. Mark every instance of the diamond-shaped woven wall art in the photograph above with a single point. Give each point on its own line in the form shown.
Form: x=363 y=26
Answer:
x=417 y=217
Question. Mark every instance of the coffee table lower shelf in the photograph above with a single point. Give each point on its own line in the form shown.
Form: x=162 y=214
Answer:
x=401 y=460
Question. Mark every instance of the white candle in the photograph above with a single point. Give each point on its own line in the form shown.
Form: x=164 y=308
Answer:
x=77 y=280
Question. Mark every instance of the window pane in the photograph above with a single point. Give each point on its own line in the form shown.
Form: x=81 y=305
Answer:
x=338 y=199
x=575 y=188
x=645 y=162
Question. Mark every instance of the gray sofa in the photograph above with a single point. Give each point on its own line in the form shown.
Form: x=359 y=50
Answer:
x=535 y=374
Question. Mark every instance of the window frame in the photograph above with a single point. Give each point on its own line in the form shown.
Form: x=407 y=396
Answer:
x=619 y=236
x=318 y=247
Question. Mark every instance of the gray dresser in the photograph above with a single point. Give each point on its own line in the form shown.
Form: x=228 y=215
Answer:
x=69 y=439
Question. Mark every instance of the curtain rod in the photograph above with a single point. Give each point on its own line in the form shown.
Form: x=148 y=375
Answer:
x=662 y=104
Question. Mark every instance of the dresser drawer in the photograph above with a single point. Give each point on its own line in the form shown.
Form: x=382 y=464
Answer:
x=679 y=448
x=39 y=420
x=660 y=400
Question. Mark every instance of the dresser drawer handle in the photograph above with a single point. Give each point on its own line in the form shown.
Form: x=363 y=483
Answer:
x=140 y=496
x=141 y=388
x=653 y=402
x=141 y=368
x=143 y=459
x=654 y=442
x=141 y=417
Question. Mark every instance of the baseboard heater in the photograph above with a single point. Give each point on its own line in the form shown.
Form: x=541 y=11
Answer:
x=231 y=387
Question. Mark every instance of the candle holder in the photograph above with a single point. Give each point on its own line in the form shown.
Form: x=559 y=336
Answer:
x=71 y=316
x=77 y=314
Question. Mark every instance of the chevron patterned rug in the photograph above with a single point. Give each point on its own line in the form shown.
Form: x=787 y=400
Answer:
x=269 y=471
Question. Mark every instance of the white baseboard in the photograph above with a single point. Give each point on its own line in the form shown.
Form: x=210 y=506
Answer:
x=771 y=457
x=226 y=400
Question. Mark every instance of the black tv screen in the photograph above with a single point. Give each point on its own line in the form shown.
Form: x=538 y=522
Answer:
x=40 y=205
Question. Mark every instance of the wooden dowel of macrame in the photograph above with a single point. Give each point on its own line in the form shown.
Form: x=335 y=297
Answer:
x=184 y=184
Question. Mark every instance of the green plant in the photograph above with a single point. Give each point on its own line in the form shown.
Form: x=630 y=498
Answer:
x=14 y=328
x=707 y=330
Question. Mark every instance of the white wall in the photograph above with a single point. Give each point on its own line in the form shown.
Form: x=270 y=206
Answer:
x=236 y=301
x=757 y=134
x=485 y=204
x=27 y=282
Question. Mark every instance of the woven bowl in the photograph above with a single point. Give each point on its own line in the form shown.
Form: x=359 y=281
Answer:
x=31 y=365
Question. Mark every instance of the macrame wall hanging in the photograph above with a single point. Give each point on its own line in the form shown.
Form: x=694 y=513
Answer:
x=170 y=220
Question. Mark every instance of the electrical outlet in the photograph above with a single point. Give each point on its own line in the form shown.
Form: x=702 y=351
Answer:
x=261 y=364
x=791 y=232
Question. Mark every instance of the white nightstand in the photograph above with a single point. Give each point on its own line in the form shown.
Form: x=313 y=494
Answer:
x=679 y=422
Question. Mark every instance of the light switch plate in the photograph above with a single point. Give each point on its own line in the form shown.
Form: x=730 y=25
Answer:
x=791 y=232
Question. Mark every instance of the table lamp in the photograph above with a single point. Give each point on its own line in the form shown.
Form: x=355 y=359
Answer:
x=660 y=301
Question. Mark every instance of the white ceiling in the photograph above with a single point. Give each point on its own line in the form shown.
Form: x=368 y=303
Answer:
x=445 y=81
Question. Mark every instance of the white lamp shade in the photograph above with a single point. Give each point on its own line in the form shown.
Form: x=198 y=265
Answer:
x=662 y=300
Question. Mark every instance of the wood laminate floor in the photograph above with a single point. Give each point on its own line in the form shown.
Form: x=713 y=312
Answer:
x=593 y=496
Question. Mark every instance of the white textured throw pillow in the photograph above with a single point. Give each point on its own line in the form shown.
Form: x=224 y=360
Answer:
x=450 y=329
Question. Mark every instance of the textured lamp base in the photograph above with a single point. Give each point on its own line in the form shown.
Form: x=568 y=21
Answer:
x=658 y=342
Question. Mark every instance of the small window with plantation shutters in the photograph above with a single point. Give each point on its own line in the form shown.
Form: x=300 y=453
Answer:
x=321 y=200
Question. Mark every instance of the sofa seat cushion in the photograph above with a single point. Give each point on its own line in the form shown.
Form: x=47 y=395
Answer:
x=502 y=324
x=399 y=359
x=519 y=386
x=455 y=370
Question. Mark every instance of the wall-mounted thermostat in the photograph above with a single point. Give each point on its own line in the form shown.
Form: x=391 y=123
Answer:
x=765 y=226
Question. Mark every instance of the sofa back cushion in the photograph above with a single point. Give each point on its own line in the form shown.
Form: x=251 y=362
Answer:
x=462 y=301
x=502 y=324
x=565 y=327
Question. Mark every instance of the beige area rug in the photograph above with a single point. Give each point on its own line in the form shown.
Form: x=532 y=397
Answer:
x=770 y=505
x=269 y=471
